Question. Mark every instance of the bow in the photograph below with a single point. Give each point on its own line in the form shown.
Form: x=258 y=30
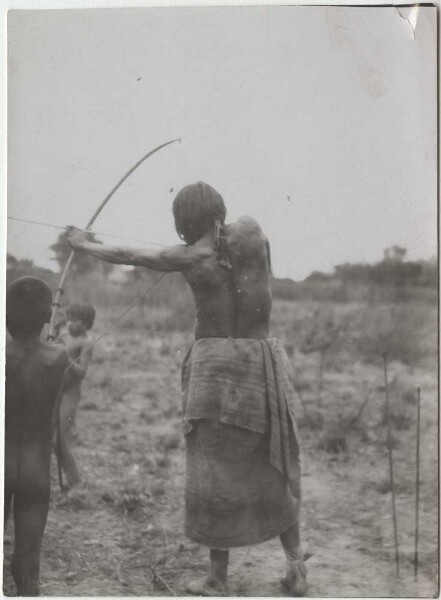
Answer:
x=59 y=292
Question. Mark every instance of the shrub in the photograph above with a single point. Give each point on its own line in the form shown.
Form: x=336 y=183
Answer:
x=132 y=500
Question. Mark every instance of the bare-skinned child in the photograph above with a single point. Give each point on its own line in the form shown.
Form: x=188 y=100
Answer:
x=34 y=373
x=78 y=342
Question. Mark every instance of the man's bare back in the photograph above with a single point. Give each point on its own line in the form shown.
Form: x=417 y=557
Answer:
x=232 y=302
x=226 y=266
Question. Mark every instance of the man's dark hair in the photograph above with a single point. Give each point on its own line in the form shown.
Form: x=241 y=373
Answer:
x=82 y=311
x=28 y=306
x=196 y=209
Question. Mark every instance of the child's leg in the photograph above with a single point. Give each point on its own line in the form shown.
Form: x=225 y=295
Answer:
x=7 y=506
x=10 y=480
x=68 y=407
x=31 y=503
x=295 y=579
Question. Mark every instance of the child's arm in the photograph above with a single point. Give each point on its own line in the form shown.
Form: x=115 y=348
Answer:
x=80 y=365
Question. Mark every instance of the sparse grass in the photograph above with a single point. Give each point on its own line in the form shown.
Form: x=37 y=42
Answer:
x=406 y=331
x=169 y=441
x=158 y=488
x=129 y=510
x=148 y=417
x=163 y=460
x=105 y=381
x=313 y=420
x=132 y=500
x=89 y=406
x=171 y=411
x=333 y=439
x=76 y=499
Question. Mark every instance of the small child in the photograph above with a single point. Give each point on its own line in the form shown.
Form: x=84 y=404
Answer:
x=79 y=319
x=34 y=373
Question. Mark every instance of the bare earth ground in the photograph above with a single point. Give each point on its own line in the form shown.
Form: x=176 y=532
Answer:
x=104 y=538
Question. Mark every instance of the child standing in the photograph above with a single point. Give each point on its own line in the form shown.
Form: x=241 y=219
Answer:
x=79 y=319
x=34 y=373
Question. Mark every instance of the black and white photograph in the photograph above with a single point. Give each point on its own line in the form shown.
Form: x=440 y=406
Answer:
x=221 y=301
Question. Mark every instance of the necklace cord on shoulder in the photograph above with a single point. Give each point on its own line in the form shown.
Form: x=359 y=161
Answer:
x=220 y=245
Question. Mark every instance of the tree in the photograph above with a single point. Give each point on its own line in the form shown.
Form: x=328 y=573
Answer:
x=395 y=254
x=11 y=261
x=24 y=266
x=82 y=263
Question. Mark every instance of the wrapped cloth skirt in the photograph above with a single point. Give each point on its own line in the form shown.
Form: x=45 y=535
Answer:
x=243 y=466
x=234 y=496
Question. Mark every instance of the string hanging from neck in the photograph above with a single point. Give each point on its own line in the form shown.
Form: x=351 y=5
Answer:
x=220 y=245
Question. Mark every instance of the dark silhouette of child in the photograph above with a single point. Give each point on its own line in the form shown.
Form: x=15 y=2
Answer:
x=34 y=373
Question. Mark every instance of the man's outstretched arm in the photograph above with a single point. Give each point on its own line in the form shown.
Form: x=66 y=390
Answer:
x=170 y=258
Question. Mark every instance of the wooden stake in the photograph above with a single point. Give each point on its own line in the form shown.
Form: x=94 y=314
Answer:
x=320 y=374
x=162 y=581
x=156 y=576
x=417 y=488
x=391 y=469
x=357 y=414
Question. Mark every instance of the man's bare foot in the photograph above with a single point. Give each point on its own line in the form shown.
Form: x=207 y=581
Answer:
x=295 y=580
x=207 y=587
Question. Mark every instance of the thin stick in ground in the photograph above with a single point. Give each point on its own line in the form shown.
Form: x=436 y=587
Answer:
x=358 y=414
x=391 y=469
x=320 y=375
x=162 y=581
x=156 y=576
x=417 y=487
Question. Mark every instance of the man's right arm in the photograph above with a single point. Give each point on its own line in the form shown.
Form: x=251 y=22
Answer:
x=171 y=258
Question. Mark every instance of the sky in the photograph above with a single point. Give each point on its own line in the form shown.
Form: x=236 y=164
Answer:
x=318 y=121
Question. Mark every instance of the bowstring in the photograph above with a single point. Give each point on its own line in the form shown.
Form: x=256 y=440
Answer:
x=115 y=323
x=137 y=299
x=41 y=223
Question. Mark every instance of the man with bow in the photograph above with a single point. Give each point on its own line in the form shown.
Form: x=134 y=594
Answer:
x=243 y=463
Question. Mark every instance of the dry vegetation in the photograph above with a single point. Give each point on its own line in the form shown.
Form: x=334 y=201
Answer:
x=121 y=532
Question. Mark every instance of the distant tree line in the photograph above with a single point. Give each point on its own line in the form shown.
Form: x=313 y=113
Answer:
x=16 y=268
x=392 y=270
x=82 y=264
x=391 y=279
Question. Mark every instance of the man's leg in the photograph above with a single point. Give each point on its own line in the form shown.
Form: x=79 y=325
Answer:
x=295 y=579
x=216 y=584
